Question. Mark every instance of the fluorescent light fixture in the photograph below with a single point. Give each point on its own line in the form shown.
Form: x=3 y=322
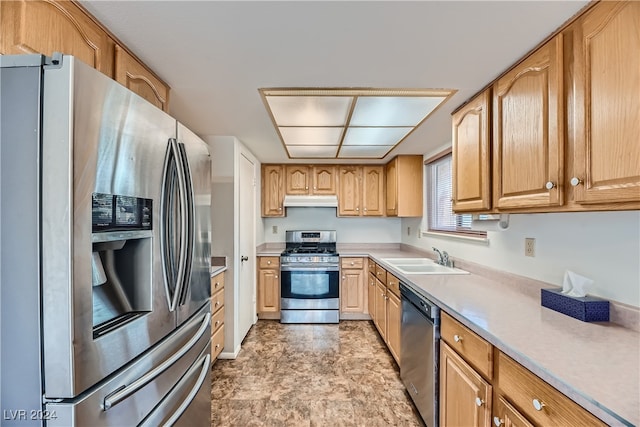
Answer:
x=330 y=123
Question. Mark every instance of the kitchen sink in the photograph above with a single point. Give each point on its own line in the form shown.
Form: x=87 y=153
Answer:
x=421 y=266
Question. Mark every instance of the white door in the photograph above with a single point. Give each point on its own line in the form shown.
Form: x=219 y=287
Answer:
x=247 y=247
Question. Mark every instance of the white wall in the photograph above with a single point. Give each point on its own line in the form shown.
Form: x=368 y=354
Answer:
x=349 y=230
x=604 y=246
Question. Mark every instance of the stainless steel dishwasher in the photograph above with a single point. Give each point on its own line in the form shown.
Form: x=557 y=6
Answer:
x=419 y=355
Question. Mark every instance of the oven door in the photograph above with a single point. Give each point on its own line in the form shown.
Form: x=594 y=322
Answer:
x=309 y=282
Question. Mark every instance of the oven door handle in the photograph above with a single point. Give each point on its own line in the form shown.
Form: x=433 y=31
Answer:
x=296 y=268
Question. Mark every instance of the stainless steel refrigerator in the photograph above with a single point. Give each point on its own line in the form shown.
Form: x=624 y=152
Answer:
x=105 y=251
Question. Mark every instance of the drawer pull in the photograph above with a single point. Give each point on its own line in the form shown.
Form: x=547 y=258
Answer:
x=538 y=405
x=217 y=323
x=217 y=346
x=497 y=421
x=268 y=262
x=217 y=284
x=479 y=402
x=457 y=338
x=217 y=303
x=352 y=263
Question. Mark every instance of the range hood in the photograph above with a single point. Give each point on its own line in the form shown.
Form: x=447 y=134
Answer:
x=310 y=201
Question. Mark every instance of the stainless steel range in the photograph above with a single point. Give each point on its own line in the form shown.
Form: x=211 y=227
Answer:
x=310 y=278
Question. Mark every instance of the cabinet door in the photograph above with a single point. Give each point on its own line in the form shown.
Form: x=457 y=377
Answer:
x=528 y=131
x=352 y=291
x=373 y=191
x=349 y=191
x=272 y=190
x=324 y=180
x=465 y=398
x=607 y=104
x=506 y=415
x=268 y=291
x=49 y=26
x=471 y=156
x=394 y=316
x=297 y=179
x=131 y=73
x=392 y=187
x=371 y=296
x=381 y=309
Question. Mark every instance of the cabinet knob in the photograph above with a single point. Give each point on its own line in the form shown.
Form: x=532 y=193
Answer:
x=575 y=181
x=269 y=262
x=357 y=209
x=365 y=209
x=275 y=277
x=538 y=405
x=550 y=185
x=457 y=338
x=280 y=208
x=497 y=421
x=479 y=402
x=306 y=188
x=315 y=188
x=343 y=277
x=217 y=284
x=217 y=323
x=353 y=263
x=217 y=346
x=217 y=303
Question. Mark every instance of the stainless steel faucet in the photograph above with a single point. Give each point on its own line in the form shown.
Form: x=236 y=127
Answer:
x=443 y=258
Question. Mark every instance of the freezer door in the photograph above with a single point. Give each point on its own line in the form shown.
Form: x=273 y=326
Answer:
x=98 y=138
x=197 y=165
x=169 y=380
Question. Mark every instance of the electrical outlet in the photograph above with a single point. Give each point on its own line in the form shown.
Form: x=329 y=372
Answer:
x=408 y=231
x=274 y=229
x=530 y=246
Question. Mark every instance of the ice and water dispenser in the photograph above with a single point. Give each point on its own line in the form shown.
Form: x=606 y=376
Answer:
x=121 y=260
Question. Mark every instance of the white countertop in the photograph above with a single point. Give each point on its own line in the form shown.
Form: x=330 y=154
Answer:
x=595 y=364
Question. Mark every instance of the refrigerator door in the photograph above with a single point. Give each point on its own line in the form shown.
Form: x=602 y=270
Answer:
x=157 y=386
x=98 y=139
x=197 y=165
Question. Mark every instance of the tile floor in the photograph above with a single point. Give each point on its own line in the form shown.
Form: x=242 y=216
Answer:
x=311 y=375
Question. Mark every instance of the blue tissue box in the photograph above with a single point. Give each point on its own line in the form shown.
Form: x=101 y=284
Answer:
x=587 y=309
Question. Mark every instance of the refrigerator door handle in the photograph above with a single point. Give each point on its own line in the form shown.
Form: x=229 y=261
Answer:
x=124 y=392
x=173 y=154
x=202 y=376
x=188 y=221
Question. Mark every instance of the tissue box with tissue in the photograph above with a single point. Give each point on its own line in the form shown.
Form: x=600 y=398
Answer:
x=572 y=300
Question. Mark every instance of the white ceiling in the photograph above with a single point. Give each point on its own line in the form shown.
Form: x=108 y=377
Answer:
x=215 y=55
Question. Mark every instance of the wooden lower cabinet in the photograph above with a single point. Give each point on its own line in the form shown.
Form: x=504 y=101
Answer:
x=385 y=306
x=268 y=287
x=353 y=292
x=380 y=319
x=394 y=318
x=508 y=416
x=217 y=315
x=371 y=295
x=465 y=397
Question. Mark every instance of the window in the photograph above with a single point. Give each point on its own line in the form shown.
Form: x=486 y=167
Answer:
x=439 y=201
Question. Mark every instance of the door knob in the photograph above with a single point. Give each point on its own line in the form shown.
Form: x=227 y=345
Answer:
x=244 y=258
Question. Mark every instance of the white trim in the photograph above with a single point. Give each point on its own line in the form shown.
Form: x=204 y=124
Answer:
x=452 y=236
x=230 y=354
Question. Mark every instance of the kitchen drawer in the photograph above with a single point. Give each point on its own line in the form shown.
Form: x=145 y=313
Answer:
x=527 y=392
x=381 y=274
x=217 y=282
x=217 y=300
x=393 y=284
x=269 y=262
x=355 y=263
x=372 y=267
x=217 y=320
x=217 y=342
x=475 y=350
x=507 y=415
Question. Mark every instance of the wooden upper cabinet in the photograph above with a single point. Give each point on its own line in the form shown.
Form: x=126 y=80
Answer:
x=528 y=131
x=272 y=190
x=472 y=156
x=404 y=186
x=323 y=179
x=349 y=190
x=606 y=126
x=46 y=26
x=131 y=73
x=373 y=191
x=310 y=180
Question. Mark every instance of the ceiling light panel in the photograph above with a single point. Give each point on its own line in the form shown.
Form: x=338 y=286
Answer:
x=311 y=136
x=393 y=110
x=312 y=151
x=309 y=111
x=375 y=136
x=364 y=151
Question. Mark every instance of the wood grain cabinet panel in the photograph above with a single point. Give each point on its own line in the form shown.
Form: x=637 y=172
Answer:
x=465 y=397
x=371 y=296
x=47 y=26
x=394 y=319
x=297 y=179
x=130 y=73
x=373 y=191
x=606 y=127
x=471 y=347
x=528 y=131
x=349 y=190
x=380 y=318
x=324 y=180
x=506 y=415
x=352 y=286
x=272 y=190
x=404 y=186
x=268 y=291
x=471 y=163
